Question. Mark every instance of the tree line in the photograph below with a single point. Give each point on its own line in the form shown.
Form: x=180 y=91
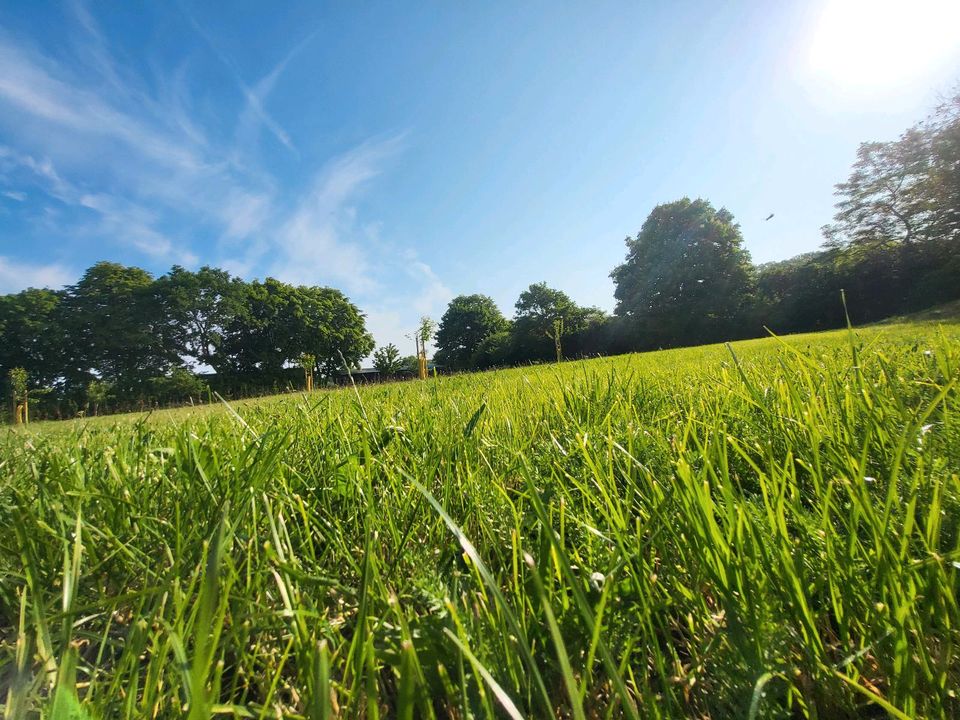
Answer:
x=687 y=279
x=121 y=338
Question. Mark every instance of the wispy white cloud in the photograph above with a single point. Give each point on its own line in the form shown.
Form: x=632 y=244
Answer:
x=16 y=276
x=15 y=195
x=134 y=164
x=133 y=224
x=321 y=240
x=392 y=318
x=92 y=46
x=431 y=293
x=41 y=171
x=33 y=86
x=254 y=114
x=160 y=168
x=114 y=217
x=243 y=213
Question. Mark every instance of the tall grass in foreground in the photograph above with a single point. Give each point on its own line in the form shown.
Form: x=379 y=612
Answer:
x=769 y=530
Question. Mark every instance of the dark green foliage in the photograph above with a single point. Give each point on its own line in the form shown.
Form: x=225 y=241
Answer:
x=408 y=364
x=119 y=339
x=178 y=384
x=115 y=329
x=277 y=322
x=495 y=350
x=387 y=360
x=800 y=294
x=687 y=278
x=539 y=309
x=32 y=335
x=467 y=322
x=198 y=307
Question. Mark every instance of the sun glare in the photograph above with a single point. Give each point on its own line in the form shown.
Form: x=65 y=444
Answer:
x=877 y=43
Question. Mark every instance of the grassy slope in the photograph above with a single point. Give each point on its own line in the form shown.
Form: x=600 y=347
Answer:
x=946 y=313
x=667 y=534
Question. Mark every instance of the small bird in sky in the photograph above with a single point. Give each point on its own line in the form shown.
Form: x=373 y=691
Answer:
x=768 y=217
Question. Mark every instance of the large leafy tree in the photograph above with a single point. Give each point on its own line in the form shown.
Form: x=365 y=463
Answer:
x=943 y=251
x=198 y=307
x=32 y=332
x=541 y=313
x=331 y=327
x=687 y=277
x=115 y=329
x=886 y=200
x=944 y=128
x=278 y=322
x=256 y=338
x=897 y=224
x=467 y=322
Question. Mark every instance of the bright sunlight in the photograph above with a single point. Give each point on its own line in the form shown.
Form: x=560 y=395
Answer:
x=875 y=43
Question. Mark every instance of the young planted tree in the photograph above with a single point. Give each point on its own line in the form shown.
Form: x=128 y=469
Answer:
x=17 y=378
x=98 y=391
x=424 y=334
x=387 y=360
x=307 y=362
x=555 y=334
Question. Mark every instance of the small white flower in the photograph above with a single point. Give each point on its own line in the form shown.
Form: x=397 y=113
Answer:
x=597 y=579
x=923 y=431
x=869 y=479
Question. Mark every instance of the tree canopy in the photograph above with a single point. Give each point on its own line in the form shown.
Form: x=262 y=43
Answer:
x=276 y=323
x=198 y=307
x=687 y=275
x=387 y=360
x=897 y=227
x=114 y=328
x=467 y=322
x=32 y=333
x=119 y=335
x=540 y=314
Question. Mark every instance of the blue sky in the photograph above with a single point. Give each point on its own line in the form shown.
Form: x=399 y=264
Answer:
x=406 y=153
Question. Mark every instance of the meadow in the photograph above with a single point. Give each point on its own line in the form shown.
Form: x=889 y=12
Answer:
x=767 y=529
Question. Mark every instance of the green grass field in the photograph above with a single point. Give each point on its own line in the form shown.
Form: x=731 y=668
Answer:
x=764 y=531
